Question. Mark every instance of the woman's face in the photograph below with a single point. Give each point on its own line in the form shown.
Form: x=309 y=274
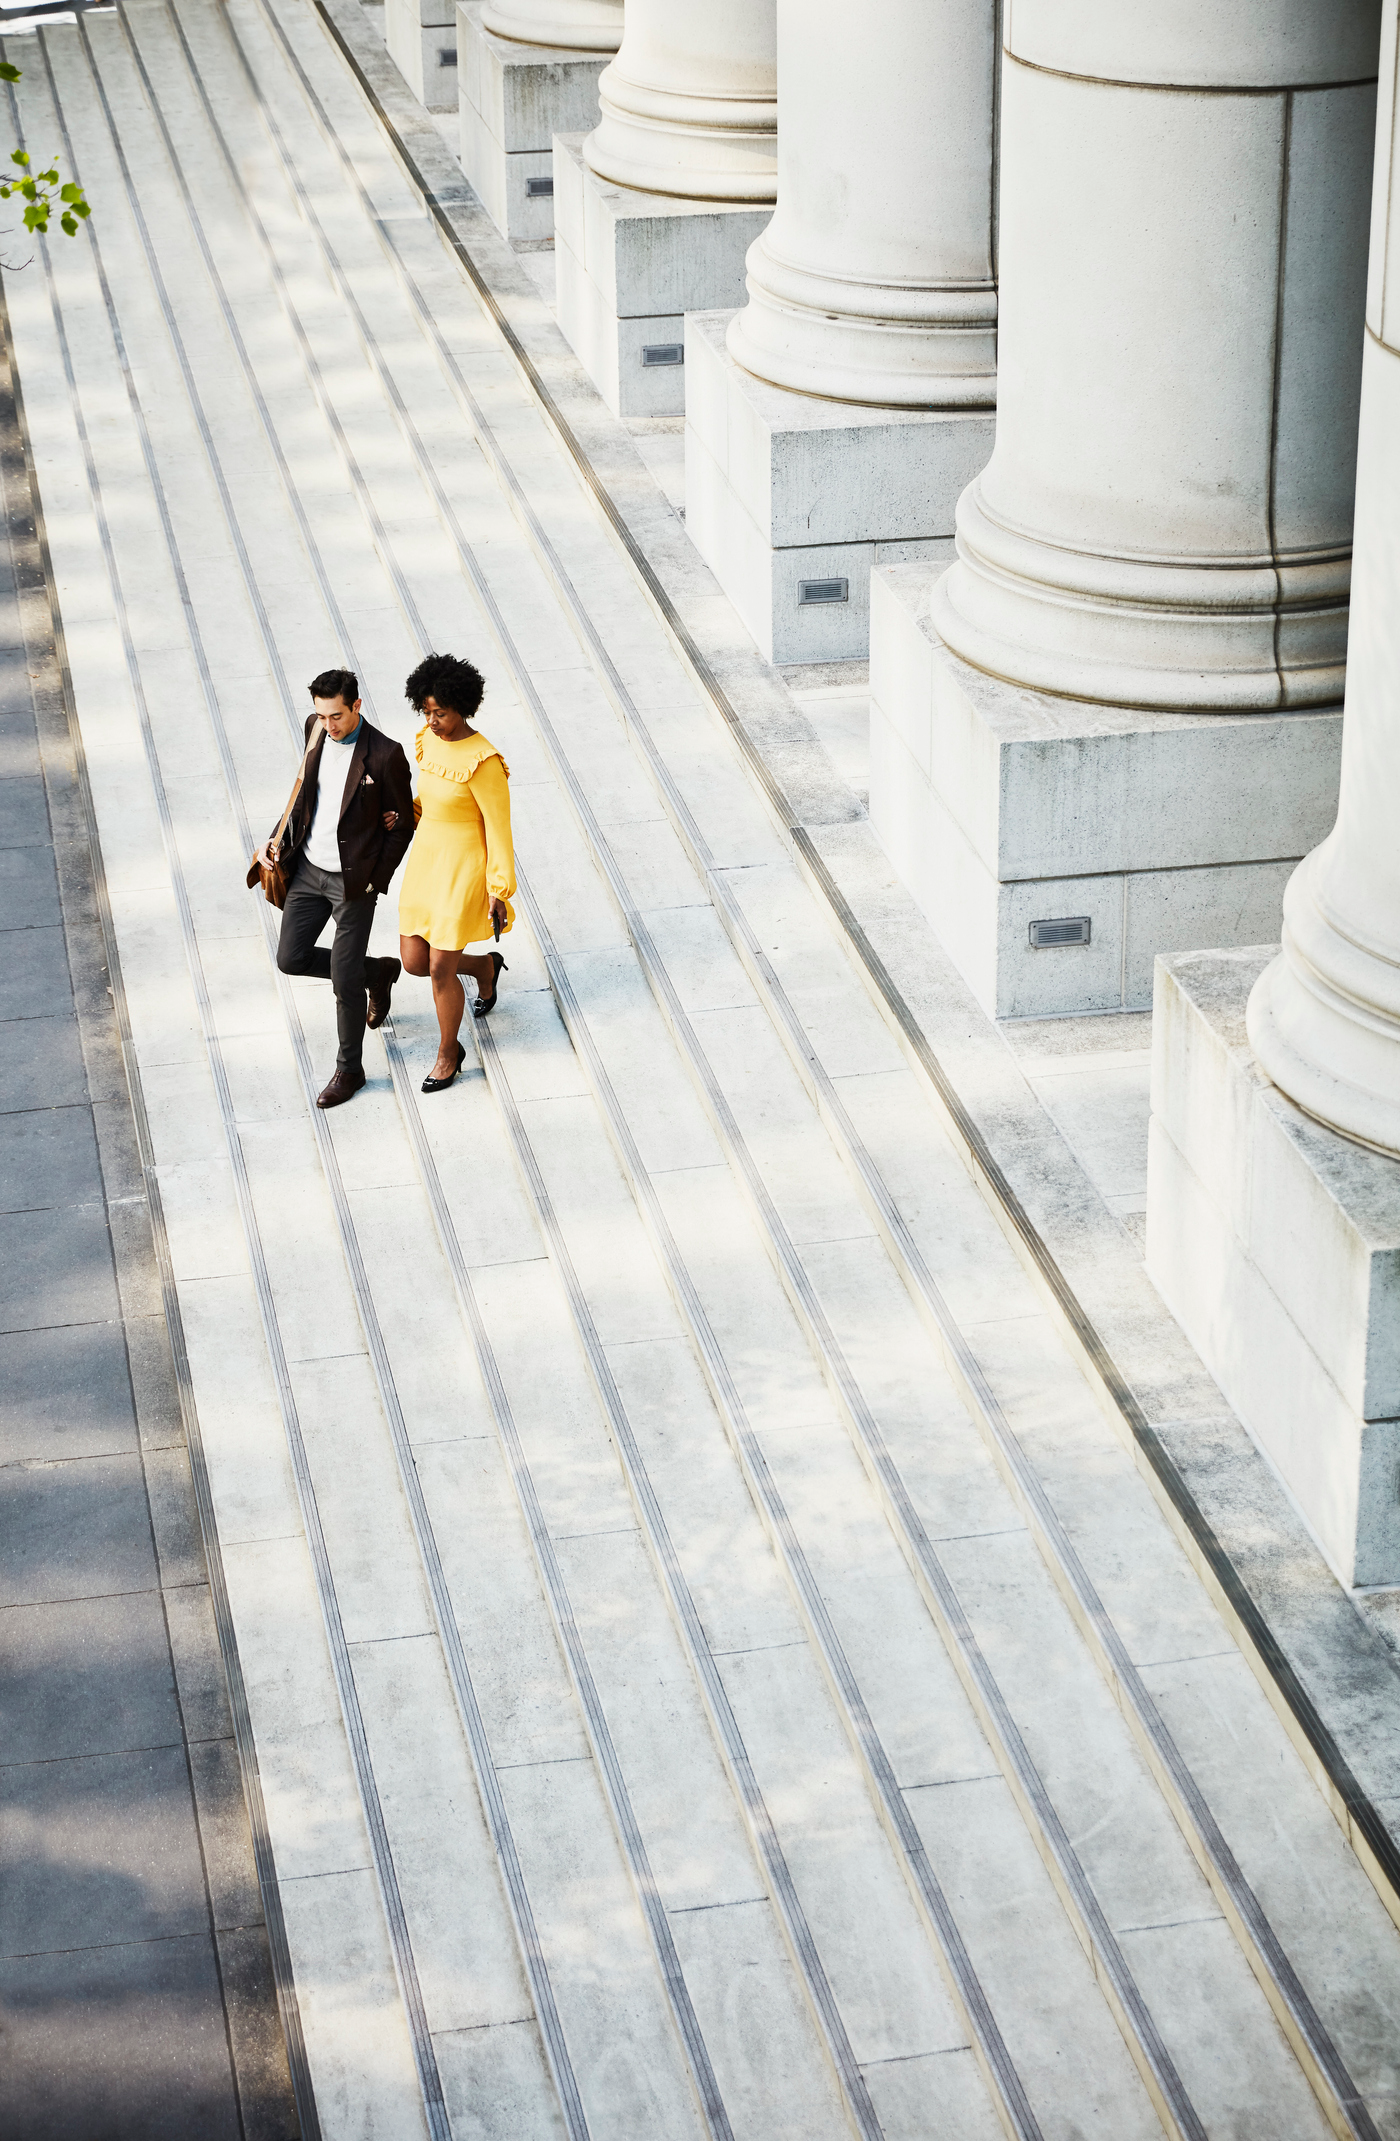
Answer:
x=444 y=721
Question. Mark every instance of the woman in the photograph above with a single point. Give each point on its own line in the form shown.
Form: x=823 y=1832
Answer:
x=455 y=898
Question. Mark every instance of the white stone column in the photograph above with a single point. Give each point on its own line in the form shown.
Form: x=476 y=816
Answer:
x=689 y=106
x=875 y=281
x=1166 y=519
x=1324 y=1018
x=577 y=25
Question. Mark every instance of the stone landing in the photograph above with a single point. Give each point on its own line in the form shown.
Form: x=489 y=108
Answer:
x=1276 y=1244
x=792 y=500
x=630 y=266
x=1108 y=833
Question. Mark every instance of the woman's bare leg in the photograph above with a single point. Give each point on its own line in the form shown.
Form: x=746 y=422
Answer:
x=413 y=951
x=449 y=1002
x=449 y=997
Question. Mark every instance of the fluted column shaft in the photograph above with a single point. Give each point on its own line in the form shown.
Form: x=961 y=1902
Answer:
x=577 y=25
x=1324 y=1019
x=689 y=106
x=875 y=280
x=1166 y=519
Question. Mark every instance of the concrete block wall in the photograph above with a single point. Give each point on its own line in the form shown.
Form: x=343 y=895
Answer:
x=783 y=490
x=421 y=36
x=629 y=267
x=514 y=98
x=1001 y=806
x=1276 y=1244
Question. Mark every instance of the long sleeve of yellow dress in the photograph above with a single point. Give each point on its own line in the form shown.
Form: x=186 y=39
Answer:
x=492 y=792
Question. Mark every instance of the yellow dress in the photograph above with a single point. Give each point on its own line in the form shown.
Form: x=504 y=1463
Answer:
x=461 y=857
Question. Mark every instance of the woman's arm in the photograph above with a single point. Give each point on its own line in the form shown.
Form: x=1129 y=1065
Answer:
x=492 y=791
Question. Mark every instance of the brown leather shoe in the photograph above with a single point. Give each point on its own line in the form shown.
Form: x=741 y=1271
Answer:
x=343 y=1086
x=385 y=973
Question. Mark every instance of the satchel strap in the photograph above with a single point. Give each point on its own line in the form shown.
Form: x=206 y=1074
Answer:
x=276 y=841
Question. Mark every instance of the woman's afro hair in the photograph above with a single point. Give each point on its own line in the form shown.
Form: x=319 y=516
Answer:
x=452 y=683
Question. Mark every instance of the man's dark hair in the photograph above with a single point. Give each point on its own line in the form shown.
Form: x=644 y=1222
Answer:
x=335 y=684
x=453 y=684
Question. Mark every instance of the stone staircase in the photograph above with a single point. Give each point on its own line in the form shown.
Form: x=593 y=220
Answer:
x=714 y=1670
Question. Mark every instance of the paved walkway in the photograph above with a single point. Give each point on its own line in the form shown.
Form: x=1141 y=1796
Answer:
x=714 y=1669
x=136 y=1993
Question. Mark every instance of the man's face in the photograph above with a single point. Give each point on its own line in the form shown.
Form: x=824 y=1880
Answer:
x=336 y=718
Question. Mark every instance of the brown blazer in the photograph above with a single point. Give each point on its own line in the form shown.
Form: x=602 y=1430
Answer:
x=378 y=780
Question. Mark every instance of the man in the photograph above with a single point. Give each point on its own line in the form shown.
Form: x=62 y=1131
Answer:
x=347 y=834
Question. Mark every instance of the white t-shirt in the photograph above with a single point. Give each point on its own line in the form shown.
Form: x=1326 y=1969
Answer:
x=323 y=841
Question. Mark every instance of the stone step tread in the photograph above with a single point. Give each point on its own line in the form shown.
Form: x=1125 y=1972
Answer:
x=917 y=1704
x=1094 y=1772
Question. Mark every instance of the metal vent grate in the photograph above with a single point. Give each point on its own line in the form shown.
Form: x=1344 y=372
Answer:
x=822 y=591
x=663 y=353
x=538 y=189
x=1067 y=929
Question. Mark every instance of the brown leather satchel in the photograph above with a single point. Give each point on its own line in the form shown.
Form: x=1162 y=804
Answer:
x=275 y=881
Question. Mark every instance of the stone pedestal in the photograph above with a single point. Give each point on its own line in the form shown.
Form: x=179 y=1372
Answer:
x=792 y=501
x=629 y=266
x=1166 y=520
x=876 y=279
x=566 y=25
x=515 y=97
x=1008 y=811
x=1276 y=1244
x=689 y=106
x=422 y=39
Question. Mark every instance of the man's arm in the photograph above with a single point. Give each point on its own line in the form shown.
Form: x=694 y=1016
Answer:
x=265 y=853
x=397 y=798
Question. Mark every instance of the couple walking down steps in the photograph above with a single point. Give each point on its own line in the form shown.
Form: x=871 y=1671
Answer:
x=351 y=819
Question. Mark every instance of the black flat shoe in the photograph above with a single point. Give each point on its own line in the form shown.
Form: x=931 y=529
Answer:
x=440 y=1085
x=484 y=1004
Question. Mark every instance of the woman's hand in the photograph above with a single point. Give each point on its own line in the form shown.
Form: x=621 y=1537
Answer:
x=499 y=916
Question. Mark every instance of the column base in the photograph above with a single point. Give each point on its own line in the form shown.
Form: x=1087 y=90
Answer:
x=629 y=267
x=783 y=489
x=422 y=39
x=514 y=98
x=1002 y=808
x=1276 y=1245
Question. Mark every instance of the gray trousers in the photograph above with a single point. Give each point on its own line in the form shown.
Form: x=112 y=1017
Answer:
x=315 y=898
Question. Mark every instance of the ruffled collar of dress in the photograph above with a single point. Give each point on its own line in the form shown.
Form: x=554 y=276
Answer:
x=456 y=761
